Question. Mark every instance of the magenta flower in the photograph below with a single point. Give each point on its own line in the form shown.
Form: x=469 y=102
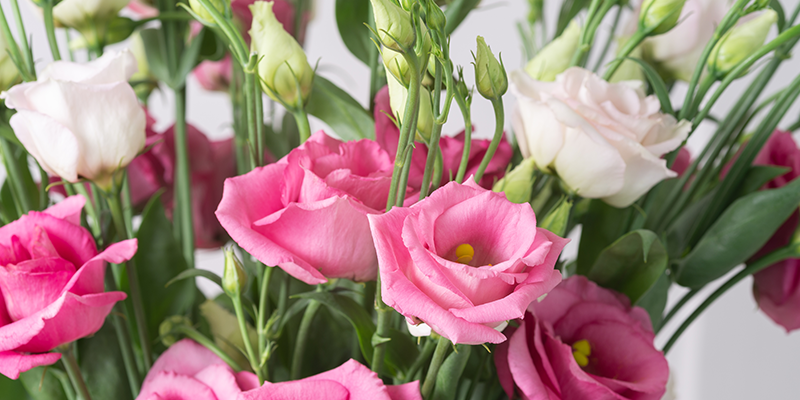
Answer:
x=349 y=381
x=189 y=371
x=51 y=285
x=387 y=135
x=583 y=342
x=307 y=213
x=464 y=261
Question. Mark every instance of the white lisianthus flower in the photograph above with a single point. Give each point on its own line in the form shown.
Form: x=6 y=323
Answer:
x=603 y=140
x=81 y=120
x=87 y=15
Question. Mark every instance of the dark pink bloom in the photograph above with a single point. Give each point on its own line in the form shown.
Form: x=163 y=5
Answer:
x=464 y=261
x=682 y=161
x=349 y=381
x=210 y=164
x=307 y=213
x=189 y=371
x=582 y=342
x=214 y=75
x=387 y=135
x=51 y=285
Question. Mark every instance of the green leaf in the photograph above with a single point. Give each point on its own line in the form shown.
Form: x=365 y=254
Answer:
x=776 y=5
x=758 y=176
x=102 y=366
x=569 y=9
x=189 y=59
x=741 y=230
x=342 y=113
x=456 y=12
x=677 y=236
x=194 y=273
x=658 y=85
x=12 y=389
x=45 y=383
x=156 y=54
x=631 y=265
x=602 y=225
x=655 y=300
x=158 y=260
x=8 y=209
x=450 y=373
x=351 y=15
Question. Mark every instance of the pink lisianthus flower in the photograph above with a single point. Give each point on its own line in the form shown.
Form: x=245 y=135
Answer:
x=464 y=261
x=349 y=381
x=189 y=371
x=307 y=213
x=143 y=8
x=51 y=285
x=387 y=135
x=210 y=163
x=582 y=342
x=682 y=161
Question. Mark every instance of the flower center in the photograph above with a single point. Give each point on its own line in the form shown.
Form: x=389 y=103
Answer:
x=464 y=253
x=581 y=350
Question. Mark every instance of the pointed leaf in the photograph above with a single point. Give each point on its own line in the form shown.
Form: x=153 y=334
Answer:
x=340 y=111
x=456 y=12
x=655 y=300
x=657 y=83
x=602 y=225
x=102 y=366
x=450 y=373
x=351 y=15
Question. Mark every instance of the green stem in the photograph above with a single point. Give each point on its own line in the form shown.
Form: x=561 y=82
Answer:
x=126 y=349
x=611 y=36
x=44 y=199
x=302 y=124
x=183 y=183
x=250 y=114
x=499 y=115
x=47 y=10
x=465 y=113
x=198 y=337
x=13 y=48
x=407 y=129
x=251 y=356
x=426 y=352
x=302 y=338
x=97 y=231
x=74 y=372
x=766 y=261
x=626 y=50
x=674 y=311
x=237 y=43
x=114 y=205
x=433 y=150
x=23 y=38
x=261 y=321
x=14 y=175
x=258 y=106
x=481 y=366
x=442 y=348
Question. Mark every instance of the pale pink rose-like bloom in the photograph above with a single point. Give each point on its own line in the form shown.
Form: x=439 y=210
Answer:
x=603 y=140
x=427 y=276
x=307 y=213
x=80 y=120
x=614 y=340
x=189 y=371
x=214 y=75
x=51 y=285
x=143 y=9
x=387 y=134
x=349 y=381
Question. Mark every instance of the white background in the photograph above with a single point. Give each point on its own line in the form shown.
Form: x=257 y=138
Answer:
x=732 y=352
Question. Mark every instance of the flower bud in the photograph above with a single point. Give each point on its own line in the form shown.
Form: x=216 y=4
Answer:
x=146 y=81
x=201 y=11
x=167 y=329
x=741 y=42
x=435 y=17
x=393 y=25
x=9 y=75
x=88 y=17
x=555 y=58
x=234 y=278
x=557 y=219
x=490 y=75
x=397 y=65
x=660 y=16
x=518 y=184
x=398 y=96
x=283 y=64
x=537 y=10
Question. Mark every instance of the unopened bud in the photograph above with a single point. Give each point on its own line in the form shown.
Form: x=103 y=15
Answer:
x=741 y=42
x=398 y=96
x=393 y=25
x=660 y=16
x=536 y=10
x=490 y=75
x=555 y=58
x=234 y=278
x=203 y=13
x=435 y=17
x=397 y=65
x=90 y=18
x=283 y=64
x=557 y=219
x=167 y=329
x=518 y=184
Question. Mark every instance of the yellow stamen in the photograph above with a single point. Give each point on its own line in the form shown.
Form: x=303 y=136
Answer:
x=581 y=351
x=464 y=253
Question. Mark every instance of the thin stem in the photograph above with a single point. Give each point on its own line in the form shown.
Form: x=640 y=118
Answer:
x=481 y=366
x=13 y=48
x=442 y=348
x=261 y=321
x=251 y=356
x=626 y=50
x=672 y=312
x=183 y=182
x=302 y=338
x=14 y=175
x=238 y=45
x=90 y=209
x=23 y=37
x=611 y=36
x=250 y=115
x=433 y=150
x=74 y=373
x=44 y=199
x=198 y=337
x=126 y=349
x=407 y=129
x=426 y=352
x=114 y=205
x=499 y=116
x=465 y=112
x=302 y=124
x=766 y=261
x=47 y=10
x=258 y=106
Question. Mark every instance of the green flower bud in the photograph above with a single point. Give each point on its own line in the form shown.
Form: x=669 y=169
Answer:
x=393 y=25
x=397 y=65
x=555 y=58
x=435 y=17
x=89 y=18
x=9 y=75
x=490 y=75
x=398 y=96
x=201 y=11
x=660 y=16
x=283 y=64
x=557 y=219
x=234 y=278
x=537 y=10
x=165 y=330
x=518 y=184
x=741 y=42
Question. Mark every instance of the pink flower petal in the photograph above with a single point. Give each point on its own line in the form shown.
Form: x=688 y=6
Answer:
x=13 y=363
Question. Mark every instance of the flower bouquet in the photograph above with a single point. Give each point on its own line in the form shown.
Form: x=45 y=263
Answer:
x=382 y=259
